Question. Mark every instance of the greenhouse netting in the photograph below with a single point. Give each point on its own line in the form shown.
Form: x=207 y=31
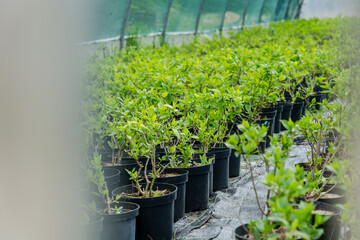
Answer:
x=118 y=19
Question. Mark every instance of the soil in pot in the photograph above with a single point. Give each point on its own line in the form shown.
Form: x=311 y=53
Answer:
x=334 y=196
x=156 y=215
x=286 y=114
x=221 y=168
x=121 y=224
x=179 y=178
x=332 y=225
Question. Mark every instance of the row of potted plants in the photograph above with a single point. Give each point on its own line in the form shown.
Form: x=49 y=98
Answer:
x=159 y=119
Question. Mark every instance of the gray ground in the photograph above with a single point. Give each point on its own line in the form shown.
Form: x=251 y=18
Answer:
x=234 y=206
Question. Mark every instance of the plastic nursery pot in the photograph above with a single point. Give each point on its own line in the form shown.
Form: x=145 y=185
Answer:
x=303 y=112
x=271 y=115
x=156 y=215
x=122 y=224
x=211 y=173
x=178 y=178
x=264 y=122
x=92 y=229
x=242 y=231
x=197 y=188
x=297 y=111
x=221 y=167
x=126 y=164
x=234 y=164
x=112 y=178
x=332 y=225
x=336 y=195
x=306 y=167
x=286 y=114
x=319 y=97
x=277 y=125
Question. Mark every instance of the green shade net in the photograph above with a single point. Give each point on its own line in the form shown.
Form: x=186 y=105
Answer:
x=234 y=13
x=253 y=12
x=106 y=18
x=212 y=14
x=146 y=16
x=269 y=11
x=183 y=15
x=281 y=10
x=292 y=8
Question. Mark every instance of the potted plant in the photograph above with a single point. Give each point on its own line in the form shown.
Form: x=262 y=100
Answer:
x=156 y=200
x=118 y=217
x=285 y=218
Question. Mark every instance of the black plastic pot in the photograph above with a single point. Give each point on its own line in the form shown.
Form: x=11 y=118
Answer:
x=319 y=97
x=303 y=112
x=339 y=200
x=296 y=112
x=92 y=230
x=286 y=114
x=211 y=178
x=221 y=168
x=326 y=174
x=303 y=109
x=112 y=178
x=234 y=164
x=332 y=225
x=122 y=224
x=156 y=215
x=241 y=231
x=211 y=172
x=126 y=164
x=277 y=125
x=179 y=181
x=267 y=123
x=270 y=116
x=197 y=188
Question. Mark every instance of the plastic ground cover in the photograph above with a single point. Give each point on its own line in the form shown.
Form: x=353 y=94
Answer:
x=234 y=206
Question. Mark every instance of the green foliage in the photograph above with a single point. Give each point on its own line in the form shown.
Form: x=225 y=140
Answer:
x=183 y=100
x=96 y=175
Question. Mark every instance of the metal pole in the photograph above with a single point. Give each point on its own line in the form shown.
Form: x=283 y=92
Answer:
x=298 y=9
x=166 y=22
x=277 y=10
x=244 y=14
x=198 y=16
x=223 y=17
x=123 y=26
x=262 y=10
x=287 y=9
